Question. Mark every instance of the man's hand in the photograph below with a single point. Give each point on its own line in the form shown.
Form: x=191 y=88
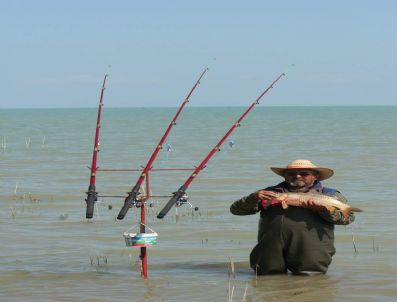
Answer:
x=267 y=198
x=260 y=195
x=264 y=194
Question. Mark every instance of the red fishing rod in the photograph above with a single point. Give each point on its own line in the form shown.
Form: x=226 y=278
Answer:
x=131 y=199
x=92 y=195
x=180 y=196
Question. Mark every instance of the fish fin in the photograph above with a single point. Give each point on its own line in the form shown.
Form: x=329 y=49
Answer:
x=330 y=209
x=284 y=204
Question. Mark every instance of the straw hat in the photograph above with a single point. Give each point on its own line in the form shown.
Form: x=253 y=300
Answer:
x=299 y=164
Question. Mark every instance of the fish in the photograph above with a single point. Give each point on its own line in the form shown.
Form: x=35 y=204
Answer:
x=300 y=200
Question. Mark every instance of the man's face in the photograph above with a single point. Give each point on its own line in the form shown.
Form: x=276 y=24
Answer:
x=300 y=178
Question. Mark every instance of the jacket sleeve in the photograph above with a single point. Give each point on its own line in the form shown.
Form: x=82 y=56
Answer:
x=247 y=205
x=336 y=216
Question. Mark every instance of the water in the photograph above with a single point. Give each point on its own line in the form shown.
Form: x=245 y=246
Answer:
x=49 y=252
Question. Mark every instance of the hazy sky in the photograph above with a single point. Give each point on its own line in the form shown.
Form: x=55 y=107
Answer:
x=55 y=53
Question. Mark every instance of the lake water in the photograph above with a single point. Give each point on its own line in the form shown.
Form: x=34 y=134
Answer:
x=50 y=252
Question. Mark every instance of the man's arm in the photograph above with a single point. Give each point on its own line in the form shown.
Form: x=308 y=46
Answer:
x=336 y=215
x=247 y=205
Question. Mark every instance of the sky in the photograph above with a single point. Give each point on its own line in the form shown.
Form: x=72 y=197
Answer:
x=54 y=54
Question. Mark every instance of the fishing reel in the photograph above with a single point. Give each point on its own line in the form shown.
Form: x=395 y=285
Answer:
x=184 y=199
x=136 y=198
x=137 y=201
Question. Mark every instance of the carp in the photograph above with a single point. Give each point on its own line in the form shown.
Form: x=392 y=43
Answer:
x=300 y=200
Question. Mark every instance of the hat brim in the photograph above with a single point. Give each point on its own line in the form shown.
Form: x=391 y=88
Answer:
x=323 y=173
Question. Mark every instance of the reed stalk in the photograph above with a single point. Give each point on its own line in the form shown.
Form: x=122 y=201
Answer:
x=232 y=273
x=13 y=212
x=27 y=142
x=354 y=244
x=4 y=143
x=230 y=291
x=245 y=293
x=375 y=248
x=16 y=189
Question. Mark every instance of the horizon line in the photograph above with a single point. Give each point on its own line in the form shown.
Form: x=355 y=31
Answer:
x=152 y=107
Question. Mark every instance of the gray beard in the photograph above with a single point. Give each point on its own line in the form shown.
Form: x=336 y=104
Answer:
x=298 y=188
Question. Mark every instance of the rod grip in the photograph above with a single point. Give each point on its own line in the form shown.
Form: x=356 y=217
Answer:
x=177 y=195
x=92 y=197
x=129 y=202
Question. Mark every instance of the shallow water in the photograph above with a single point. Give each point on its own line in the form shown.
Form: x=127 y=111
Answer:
x=50 y=252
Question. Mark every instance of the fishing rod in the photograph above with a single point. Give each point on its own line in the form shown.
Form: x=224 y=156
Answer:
x=180 y=196
x=131 y=199
x=92 y=195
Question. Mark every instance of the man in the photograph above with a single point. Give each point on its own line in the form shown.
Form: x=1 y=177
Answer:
x=298 y=239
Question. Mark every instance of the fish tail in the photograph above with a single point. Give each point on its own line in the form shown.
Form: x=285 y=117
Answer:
x=346 y=212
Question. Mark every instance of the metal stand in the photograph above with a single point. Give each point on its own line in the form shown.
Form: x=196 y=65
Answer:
x=143 y=256
x=142 y=205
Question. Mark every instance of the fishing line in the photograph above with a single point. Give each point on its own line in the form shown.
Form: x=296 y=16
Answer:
x=180 y=196
x=131 y=199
